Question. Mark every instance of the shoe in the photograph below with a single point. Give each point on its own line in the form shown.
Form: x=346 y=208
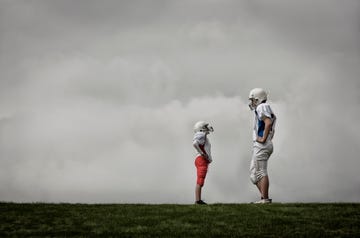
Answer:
x=200 y=202
x=264 y=200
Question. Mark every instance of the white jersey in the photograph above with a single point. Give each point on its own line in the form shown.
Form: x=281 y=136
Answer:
x=204 y=143
x=263 y=110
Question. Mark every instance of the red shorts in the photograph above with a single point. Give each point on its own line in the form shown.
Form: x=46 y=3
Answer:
x=201 y=168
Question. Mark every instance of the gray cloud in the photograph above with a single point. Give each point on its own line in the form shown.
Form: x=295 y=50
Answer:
x=98 y=99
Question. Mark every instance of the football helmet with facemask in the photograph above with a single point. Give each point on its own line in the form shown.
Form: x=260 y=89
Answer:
x=203 y=126
x=256 y=97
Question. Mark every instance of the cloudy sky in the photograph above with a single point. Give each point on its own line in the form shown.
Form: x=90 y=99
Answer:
x=98 y=98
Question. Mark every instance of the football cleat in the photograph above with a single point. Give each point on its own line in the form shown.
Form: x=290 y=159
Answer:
x=265 y=200
x=201 y=202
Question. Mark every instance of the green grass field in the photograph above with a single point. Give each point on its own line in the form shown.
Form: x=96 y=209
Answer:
x=217 y=220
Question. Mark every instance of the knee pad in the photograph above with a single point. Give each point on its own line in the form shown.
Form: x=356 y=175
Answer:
x=253 y=178
x=200 y=181
x=258 y=170
x=257 y=176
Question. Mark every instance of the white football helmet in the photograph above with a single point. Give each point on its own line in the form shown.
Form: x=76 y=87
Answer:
x=203 y=126
x=257 y=96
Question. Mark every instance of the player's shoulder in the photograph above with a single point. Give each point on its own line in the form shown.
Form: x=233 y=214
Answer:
x=264 y=110
x=263 y=107
x=199 y=135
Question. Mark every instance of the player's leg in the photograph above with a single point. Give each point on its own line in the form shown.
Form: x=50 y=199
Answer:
x=259 y=177
x=198 y=192
x=254 y=173
x=201 y=169
x=265 y=182
x=258 y=169
x=263 y=186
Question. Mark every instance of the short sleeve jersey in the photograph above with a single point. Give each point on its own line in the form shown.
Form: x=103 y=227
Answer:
x=204 y=143
x=263 y=110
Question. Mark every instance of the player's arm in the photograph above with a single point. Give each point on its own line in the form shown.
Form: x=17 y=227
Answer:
x=267 y=129
x=197 y=147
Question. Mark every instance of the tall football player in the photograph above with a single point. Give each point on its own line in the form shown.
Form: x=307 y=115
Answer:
x=264 y=129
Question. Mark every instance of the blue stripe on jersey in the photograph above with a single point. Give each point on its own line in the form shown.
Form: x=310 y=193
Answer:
x=261 y=128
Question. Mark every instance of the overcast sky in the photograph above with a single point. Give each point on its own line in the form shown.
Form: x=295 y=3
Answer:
x=98 y=98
